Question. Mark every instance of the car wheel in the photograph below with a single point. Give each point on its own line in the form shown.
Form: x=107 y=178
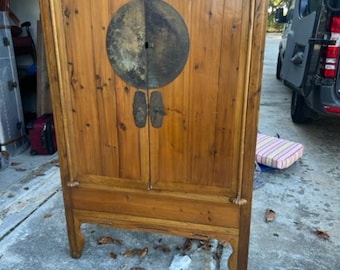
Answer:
x=278 y=67
x=298 y=109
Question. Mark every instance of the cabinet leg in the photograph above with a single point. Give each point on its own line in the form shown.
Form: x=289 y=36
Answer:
x=75 y=237
x=233 y=259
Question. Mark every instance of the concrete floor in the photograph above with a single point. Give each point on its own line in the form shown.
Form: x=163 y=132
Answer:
x=305 y=197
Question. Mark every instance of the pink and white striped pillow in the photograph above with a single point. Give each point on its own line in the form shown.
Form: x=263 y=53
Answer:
x=277 y=153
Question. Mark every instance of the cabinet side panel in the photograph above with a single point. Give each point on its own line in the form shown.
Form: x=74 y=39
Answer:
x=253 y=103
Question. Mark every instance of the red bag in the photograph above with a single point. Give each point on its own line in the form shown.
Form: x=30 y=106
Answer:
x=42 y=135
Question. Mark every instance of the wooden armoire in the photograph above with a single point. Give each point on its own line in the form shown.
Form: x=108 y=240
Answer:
x=156 y=108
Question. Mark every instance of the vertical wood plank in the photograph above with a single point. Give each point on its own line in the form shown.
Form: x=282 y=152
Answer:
x=78 y=37
x=105 y=92
x=231 y=93
x=252 y=107
x=204 y=71
x=44 y=102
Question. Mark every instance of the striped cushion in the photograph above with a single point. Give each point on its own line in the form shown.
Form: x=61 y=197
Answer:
x=277 y=153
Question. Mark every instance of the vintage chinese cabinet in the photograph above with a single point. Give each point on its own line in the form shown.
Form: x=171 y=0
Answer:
x=156 y=108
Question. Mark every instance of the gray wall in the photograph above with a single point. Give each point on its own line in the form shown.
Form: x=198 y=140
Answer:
x=27 y=10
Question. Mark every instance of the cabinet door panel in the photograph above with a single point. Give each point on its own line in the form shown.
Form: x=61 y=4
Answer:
x=199 y=143
x=104 y=139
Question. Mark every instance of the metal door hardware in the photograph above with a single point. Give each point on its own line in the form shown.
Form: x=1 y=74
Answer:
x=12 y=85
x=157 y=111
x=147 y=43
x=140 y=110
x=5 y=41
x=19 y=125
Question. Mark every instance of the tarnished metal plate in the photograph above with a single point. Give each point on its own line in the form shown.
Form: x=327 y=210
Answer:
x=147 y=43
x=125 y=43
x=140 y=109
x=157 y=110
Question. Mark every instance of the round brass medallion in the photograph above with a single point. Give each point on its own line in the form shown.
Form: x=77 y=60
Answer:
x=147 y=43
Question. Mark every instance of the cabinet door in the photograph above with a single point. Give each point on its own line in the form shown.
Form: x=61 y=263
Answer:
x=105 y=145
x=199 y=145
x=200 y=142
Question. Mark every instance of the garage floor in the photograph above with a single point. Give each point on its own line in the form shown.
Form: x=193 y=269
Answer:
x=304 y=233
x=306 y=196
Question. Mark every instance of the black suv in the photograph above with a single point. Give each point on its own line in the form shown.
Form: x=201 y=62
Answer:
x=308 y=59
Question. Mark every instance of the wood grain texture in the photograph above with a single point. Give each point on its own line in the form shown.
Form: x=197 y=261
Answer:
x=251 y=120
x=200 y=139
x=158 y=179
x=44 y=102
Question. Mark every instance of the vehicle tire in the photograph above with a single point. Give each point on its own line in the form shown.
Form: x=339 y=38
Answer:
x=278 y=67
x=298 y=109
